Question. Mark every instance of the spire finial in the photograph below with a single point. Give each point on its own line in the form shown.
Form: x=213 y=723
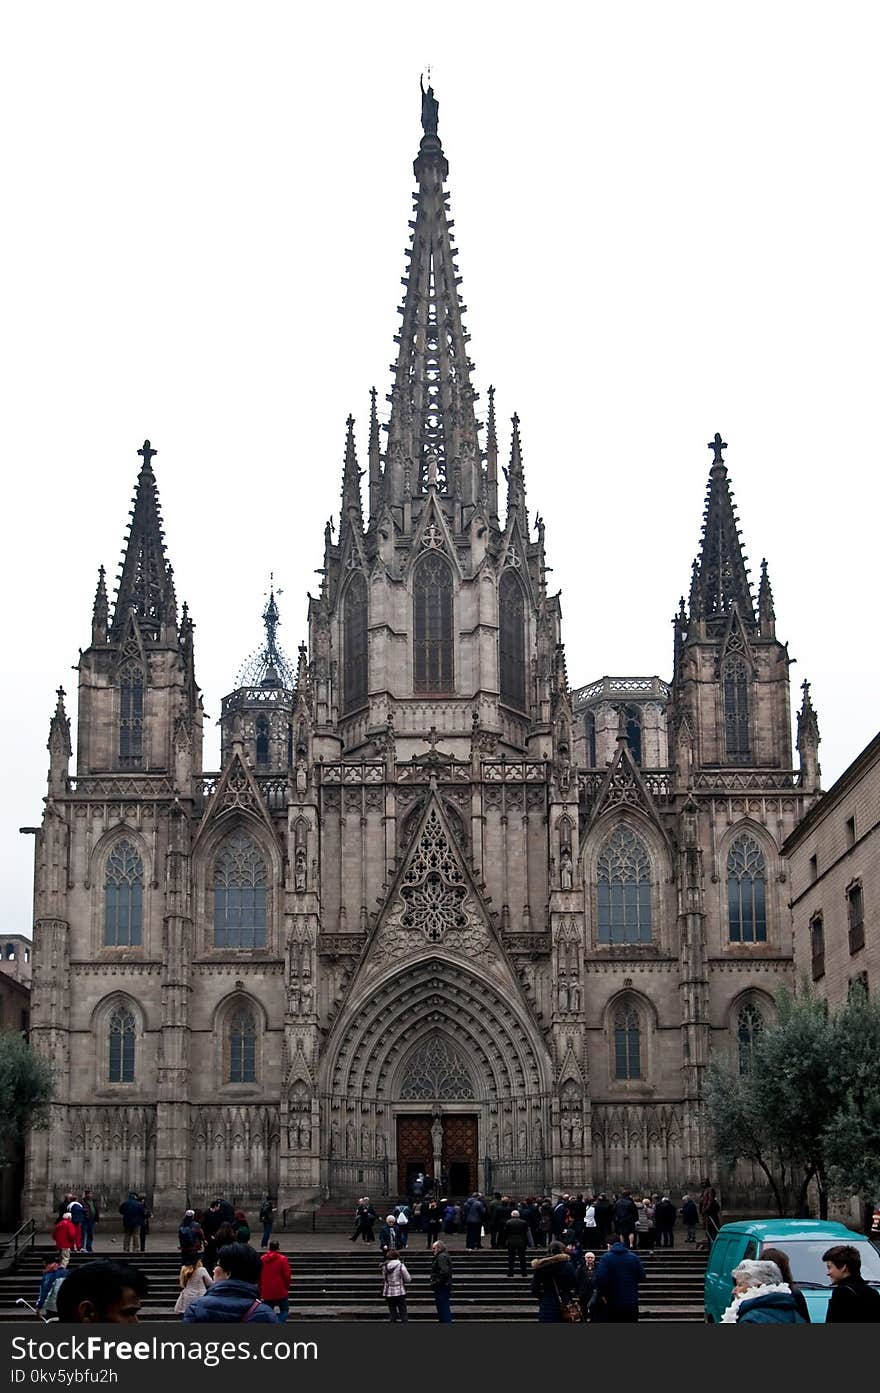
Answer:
x=430 y=106
x=147 y=452
x=717 y=444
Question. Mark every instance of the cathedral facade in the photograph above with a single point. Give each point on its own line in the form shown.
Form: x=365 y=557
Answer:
x=438 y=910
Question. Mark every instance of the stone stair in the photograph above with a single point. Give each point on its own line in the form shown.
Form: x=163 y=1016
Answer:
x=334 y=1285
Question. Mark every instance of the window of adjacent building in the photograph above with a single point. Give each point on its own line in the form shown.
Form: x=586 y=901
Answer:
x=817 y=947
x=850 y=831
x=123 y=897
x=859 y=983
x=131 y=717
x=239 y=895
x=262 y=742
x=242 y=1046
x=623 y=889
x=354 y=643
x=512 y=641
x=590 y=733
x=814 y=867
x=735 y=684
x=121 y=1030
x=856 y=916
x=432 y=625
x=746 y=900
x=749 y=1025
x=627 y=1044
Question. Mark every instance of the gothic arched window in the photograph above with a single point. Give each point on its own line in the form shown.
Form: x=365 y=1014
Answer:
x=131 y=716
x=623 y=889
x=746 y=901
x=242 y=1046
x=354 y=643
x=123 y=897
x=262 y=732
x=749 y=1025
x=735 y=685
x=239 y=895
x=120 y=1031
x=633 y=723
x=512 y=641
x=627 y=1043
x=432 y=625
x=590 y=733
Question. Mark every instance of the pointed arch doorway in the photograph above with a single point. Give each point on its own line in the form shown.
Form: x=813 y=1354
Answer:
x=440 y=1144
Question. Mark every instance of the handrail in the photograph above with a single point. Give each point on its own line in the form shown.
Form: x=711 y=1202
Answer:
x=24 y=1238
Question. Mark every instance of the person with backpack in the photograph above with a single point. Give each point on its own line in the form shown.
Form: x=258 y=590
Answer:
x=191 y=1238
x=53 y=1275
x=234 y=1295
x=267 y=1219
x=242 y=1227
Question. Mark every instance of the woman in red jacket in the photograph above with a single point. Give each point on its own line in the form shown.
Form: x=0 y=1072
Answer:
x=64 y=1237
x=275 y=1280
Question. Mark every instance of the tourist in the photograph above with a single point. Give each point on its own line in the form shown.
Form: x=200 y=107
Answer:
x=91 y=1216
x=515 y=1238
x=144 y=1225
x=690 y=1216
x=449 y=1217
x=625 y=1219
x=223 y=1237
x=388 y=1233
x=275 y=1280
x=553 y=1282
x=365 y=1218
x=546 y=1222
x=618 y=1274
x=194 y=1281
x=401 y=1212
x=561 y=1217
x=191 y=1238
x=242 y=1227
x=852 y=1299
x=603 y=1211
x=433 y=1221
x=77 y=1218
x=493 y=1227
x=474 y=1214
x=710 y=1212
x=395 y=1280
x=441 y=1282
x=664 y=1222
x=64 y=1238
x=267 y=1218
x=782 y=1262
x=132 y=1212
x=53 y=1275
x=760 y=1297
x=102 y=1292
x=586 y=1283
x=234 y=1295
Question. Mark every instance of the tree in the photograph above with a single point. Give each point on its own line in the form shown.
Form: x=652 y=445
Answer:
x=852 y=1136
x=25 y=1092
x=776 y=1113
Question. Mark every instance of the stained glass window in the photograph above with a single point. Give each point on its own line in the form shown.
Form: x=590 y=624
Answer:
x=239 y=895
x=242 y=1046
x=433 y=619
x=746 y=900
x=262 y=742
x=512 y=641
x=354 y=651
x=737 y=742
x=627 y=1044
x=123 y=897
x=131 y=717
x=623 y=889
x=121 y=1030
x=749 y=1024
x=436 y=1070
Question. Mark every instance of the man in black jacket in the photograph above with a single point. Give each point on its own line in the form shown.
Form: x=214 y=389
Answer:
x=664 y=1222
x=853 y=1299
x=626 y=1217
x=441 y=1281
x=133 y=1216
x=515 y=1239
x=603 y=1211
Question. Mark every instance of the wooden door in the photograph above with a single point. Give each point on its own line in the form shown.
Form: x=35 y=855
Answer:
x=414 y=1151
x=460 y=1154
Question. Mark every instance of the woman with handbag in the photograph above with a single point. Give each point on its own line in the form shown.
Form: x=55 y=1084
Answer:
x=554 y=1286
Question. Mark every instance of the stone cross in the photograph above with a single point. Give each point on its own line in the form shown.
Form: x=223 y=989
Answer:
x=147 y=452
x=717 y=445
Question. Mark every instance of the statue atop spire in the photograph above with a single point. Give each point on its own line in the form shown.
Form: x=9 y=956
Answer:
x=430 y=107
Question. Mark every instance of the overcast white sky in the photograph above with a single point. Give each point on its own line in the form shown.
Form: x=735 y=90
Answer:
x=667 y=218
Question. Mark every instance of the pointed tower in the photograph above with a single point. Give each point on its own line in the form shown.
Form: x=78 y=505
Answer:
x=137 y=689
x=258 y=714
x=730 y=688
x=59 y=748
x=808 y=743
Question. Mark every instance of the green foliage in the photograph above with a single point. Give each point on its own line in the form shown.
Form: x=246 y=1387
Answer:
x=809 y=1108
x=25 y=1091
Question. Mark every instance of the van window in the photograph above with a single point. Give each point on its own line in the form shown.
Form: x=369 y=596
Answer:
x=751 y=1251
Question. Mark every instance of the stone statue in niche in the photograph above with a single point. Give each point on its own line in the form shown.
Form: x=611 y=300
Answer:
x=302 y=777
x=305 y=1134
x=508 y=1139
x=380 y=1145
x=365 y=1140
x=493 y=1139
x=523 y=1138
x=566 y=869
x=334 y=1137
x=574 y=997
x=437 y=1135
x=299 y=872
x=350 y=1138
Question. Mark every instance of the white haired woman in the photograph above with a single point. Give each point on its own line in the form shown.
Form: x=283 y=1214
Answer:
x=760 y=1297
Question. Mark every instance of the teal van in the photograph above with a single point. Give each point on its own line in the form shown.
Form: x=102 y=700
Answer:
x=802 y=1240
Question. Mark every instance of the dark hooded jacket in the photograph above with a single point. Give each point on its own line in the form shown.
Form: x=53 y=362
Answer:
x=771 y=1308
x=553 y=1281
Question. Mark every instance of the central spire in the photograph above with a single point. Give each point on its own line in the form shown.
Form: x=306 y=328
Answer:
x=432 y=400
